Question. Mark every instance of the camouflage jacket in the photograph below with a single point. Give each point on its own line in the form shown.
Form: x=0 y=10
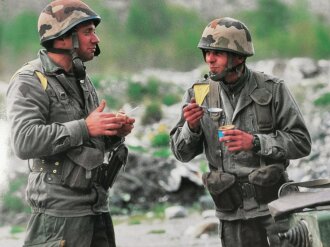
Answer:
x=288 y=138
x=48 y=127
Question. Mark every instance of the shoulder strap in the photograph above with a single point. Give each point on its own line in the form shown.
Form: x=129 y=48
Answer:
x=215 y=99
x=214 y=94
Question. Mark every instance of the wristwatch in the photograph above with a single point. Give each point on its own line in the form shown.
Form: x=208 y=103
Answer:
x=256 y=144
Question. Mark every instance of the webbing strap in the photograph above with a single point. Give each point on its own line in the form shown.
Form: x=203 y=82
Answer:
x=214 y=99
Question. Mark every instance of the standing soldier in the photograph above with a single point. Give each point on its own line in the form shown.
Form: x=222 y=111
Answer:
x=264 y=129
x=59 y=125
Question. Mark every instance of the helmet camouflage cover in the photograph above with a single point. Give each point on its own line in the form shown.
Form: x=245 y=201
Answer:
x=59 y=16
x=227 y=34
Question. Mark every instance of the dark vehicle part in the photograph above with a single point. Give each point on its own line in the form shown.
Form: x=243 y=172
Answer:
x=308 y=213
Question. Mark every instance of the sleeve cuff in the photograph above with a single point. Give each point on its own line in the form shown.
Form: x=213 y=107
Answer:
x=188 y=135
x=78 y=132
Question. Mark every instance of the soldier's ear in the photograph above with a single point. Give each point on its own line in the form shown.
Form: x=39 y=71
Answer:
x=62 y=42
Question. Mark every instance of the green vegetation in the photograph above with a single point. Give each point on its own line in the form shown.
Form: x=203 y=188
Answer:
x=157 y=212
x=162 y=153
x=171 y=99
x=152 y=114
x=15 y=36
x=203 y=167
x=157 y=34
x=138 y=149
x=119 y=91
x=135 y=220
x=17 y=229
x=135 y=91
x=158 y=231
x=160 y=140
x=13 y=200
x=148 y=19
x=282 y=31
x=323 y=100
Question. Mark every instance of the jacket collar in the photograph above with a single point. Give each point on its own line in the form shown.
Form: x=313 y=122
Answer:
x=48 y=65
x=244 y=98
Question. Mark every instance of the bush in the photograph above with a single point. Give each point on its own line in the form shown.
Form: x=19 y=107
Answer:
x=17 y=229
x=324 y=100
x=14 y=203
x=135 y=91
x=171 y=99
x=162 y=153
x=152 y=114
x=13 y=199
x=160 y=140
x=152 y=87
x=112 y=102
x=96 y=80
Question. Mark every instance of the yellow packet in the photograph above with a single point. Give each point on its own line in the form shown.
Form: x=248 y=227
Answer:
x=201 y=90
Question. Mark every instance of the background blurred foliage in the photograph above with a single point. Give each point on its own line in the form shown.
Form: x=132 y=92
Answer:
x=281 y=31
x=156 y=34
x=148 y=19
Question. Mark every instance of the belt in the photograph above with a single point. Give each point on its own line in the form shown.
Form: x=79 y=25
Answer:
x=248 y=190
x=260 y=193
x=41 y=165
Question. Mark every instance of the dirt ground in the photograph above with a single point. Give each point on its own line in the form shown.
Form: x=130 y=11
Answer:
x=169 y=233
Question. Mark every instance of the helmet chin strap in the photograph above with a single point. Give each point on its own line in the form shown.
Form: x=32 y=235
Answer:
x=78 y=66
x=227 y=70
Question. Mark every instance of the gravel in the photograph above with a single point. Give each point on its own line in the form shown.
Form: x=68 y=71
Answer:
x=156 y=233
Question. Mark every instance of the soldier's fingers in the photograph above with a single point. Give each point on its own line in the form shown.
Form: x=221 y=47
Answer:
x=113 y=126
x=110 y=132
x=101 y=107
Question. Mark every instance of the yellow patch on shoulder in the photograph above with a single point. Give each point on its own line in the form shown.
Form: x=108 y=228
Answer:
x=42 y=78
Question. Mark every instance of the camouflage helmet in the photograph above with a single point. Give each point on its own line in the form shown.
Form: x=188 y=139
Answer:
x=227 y=34
x=60 y=16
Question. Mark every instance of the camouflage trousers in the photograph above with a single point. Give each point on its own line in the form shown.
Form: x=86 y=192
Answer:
x=256 y=232
x=86 y=231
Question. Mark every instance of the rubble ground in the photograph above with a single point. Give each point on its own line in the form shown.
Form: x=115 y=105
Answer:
x=156 y=233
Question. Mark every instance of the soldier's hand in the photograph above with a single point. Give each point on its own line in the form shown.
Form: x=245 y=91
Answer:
x=237 y=140
x=127 y=126
x=192 y=113
x=101 y=123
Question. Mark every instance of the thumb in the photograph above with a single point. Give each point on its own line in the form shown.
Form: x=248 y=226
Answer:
x=101 y=107
x=193 y=100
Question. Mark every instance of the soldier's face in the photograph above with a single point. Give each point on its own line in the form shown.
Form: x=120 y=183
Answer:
x=87 y=41
x=216 y=60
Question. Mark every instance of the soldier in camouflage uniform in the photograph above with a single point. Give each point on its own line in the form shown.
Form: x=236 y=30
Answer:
x=248 y=164
x=60 y=126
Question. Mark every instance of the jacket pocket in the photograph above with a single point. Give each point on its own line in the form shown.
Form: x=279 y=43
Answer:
x=223 y=189
x=267 y=181
x=263 y=111
x=80 y=167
